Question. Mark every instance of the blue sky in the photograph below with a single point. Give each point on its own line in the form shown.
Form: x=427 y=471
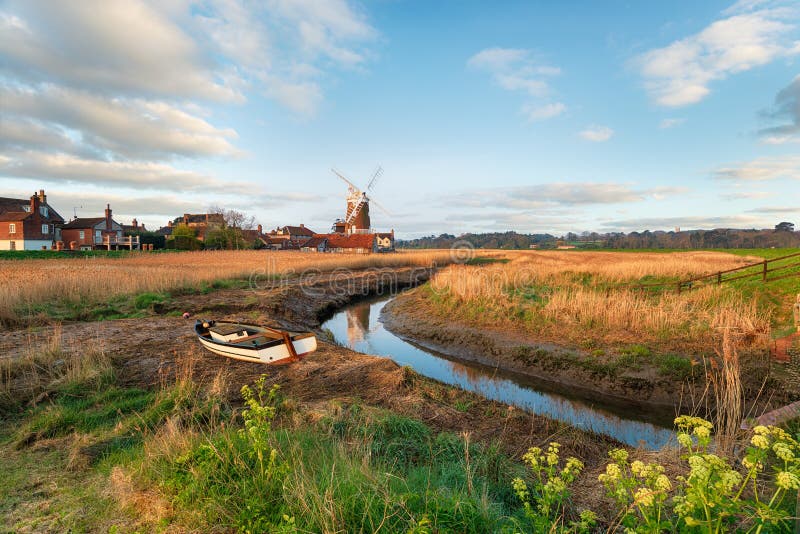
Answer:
x=486 y=116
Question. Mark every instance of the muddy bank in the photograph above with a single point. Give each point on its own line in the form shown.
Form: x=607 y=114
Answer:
x=589 y=376
x=152 y=351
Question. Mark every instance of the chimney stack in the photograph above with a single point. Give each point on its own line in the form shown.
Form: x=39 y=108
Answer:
x=135 y=223
x=259 y=230
x=35 y=203
x=108 y=217
x=42 y=196
x=302 y=225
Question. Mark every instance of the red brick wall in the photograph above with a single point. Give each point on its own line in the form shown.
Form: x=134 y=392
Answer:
x=5 y=234
x=73 y=234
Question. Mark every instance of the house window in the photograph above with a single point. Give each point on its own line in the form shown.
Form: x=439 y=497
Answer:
x=12 y=228
x=13 y=245
x=45 y=228
x=82 y=234
x=43 y=211
x=26 y=208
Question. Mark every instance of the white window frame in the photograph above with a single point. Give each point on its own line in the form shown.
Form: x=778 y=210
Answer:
x=26 y=208
x=12 y=228
x=45 y=228
x=82 y=234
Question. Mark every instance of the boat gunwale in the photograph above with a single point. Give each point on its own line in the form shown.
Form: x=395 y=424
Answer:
x=294 y=336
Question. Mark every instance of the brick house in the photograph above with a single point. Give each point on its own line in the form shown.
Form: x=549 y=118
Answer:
x=89 y=233
x=29 y=224
x=385 y=241
x=342 y=243
x=289 y=237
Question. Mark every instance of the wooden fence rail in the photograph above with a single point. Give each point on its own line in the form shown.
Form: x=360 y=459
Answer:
x=718 y=278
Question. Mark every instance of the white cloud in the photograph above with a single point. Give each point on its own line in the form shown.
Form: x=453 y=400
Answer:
x=597 y=134
x=60 y=168
x=776 y=210
x=681 y=73
x=684 y=223
x=786 y=108
x=112 y=93
x=670 y=123
x=115 y=46
x=515 y=69
x=134 y=128
x=761 y=169
x=780 y=139
x=559 y=194
x=547 y=111
x=498 y=59
x=745 y=195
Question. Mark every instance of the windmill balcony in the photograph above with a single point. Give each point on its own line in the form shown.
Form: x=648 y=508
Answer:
x=361 y=231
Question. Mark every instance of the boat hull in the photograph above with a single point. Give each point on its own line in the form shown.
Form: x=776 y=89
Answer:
x=276 y=353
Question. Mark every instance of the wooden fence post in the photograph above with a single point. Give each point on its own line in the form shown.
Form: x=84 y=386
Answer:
x=679 y=287
x=764 y=273
x=719 y=278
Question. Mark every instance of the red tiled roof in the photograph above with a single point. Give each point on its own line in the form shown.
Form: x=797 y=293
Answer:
x=350 y=241
x=298 y=230
x=16 y=206
x=14 y=215
x=314 y=242
x=84 y=222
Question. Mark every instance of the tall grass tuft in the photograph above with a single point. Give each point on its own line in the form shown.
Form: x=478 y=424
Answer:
x=45 y=367
x=726 y=381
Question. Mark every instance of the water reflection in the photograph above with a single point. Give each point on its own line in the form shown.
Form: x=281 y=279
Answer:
x=359 y=326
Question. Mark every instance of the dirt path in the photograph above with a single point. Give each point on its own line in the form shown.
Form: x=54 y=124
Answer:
x=148 y=352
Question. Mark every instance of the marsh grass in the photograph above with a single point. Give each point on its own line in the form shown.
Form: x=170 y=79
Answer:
x=47 y=367
x=79 y=284
x=569 y=297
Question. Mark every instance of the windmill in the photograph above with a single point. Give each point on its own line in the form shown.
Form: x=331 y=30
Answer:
x=356 y=219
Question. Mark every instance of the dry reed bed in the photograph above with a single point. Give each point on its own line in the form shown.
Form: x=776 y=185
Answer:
x=26 y=283
x=568 y=295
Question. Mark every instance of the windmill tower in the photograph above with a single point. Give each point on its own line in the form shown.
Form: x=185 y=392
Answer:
x=356 y=219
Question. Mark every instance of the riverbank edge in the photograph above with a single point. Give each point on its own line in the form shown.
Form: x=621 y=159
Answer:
x=409 y=316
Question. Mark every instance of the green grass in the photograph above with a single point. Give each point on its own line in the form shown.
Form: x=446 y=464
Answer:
x=128 y=306
x=355 y=471
x=485 y=260
x=55 y=254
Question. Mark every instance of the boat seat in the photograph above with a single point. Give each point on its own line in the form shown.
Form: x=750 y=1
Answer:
x=248 y=338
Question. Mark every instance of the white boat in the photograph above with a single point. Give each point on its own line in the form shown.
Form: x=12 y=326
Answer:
x=254 y=343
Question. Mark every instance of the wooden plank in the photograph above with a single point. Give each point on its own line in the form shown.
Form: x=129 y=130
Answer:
x=791 y=265
x=790 y=275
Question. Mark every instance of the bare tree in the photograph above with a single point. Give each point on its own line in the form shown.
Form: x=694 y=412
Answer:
x=233 y=222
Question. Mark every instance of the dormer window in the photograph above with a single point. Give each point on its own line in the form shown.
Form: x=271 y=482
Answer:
x=26 y=208
x=43 y=211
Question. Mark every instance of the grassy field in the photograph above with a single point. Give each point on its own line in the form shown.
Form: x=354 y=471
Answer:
x=99 y=456
x=591 y=296
x=35 y=285
x=83 y=450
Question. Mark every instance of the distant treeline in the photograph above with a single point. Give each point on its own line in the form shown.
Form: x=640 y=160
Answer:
x=782 y=236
